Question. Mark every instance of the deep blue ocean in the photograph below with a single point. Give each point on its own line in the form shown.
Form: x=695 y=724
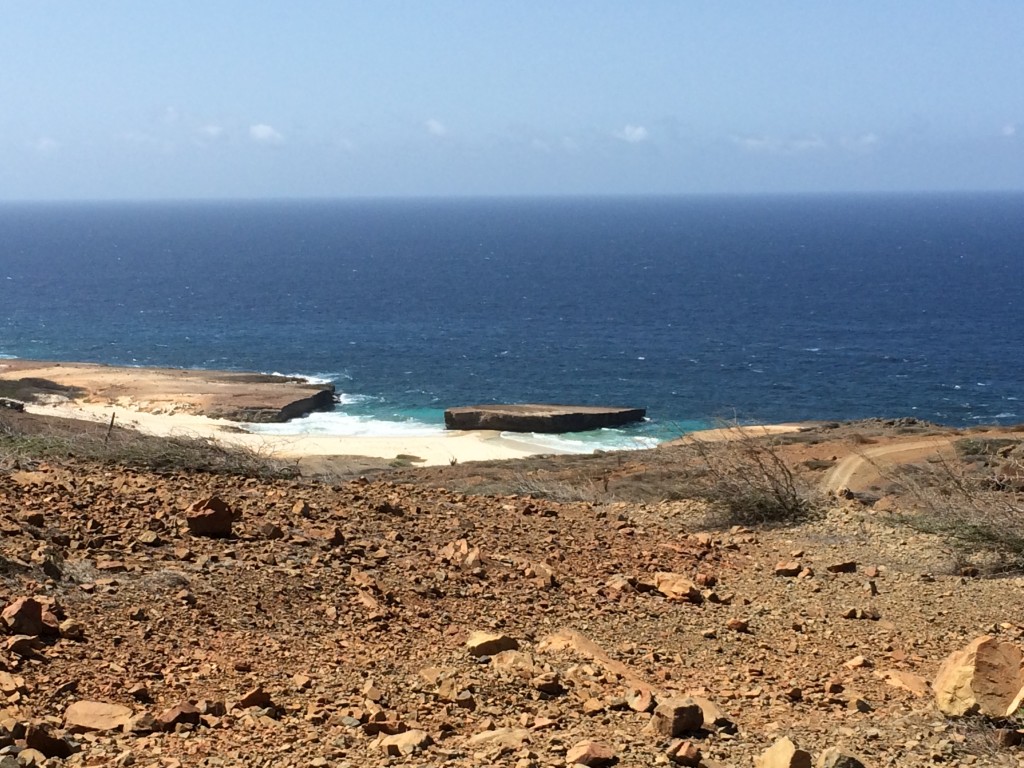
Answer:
x=757 y=308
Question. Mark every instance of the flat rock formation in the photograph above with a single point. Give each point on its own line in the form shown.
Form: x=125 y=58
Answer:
x=540 y=418
x=248 y=397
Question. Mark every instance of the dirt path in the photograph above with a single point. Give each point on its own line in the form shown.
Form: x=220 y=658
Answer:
x=862 y=468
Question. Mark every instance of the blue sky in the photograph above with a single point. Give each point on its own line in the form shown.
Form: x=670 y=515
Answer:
x=228 y=99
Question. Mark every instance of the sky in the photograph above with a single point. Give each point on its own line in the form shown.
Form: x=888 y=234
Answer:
x=130 y=100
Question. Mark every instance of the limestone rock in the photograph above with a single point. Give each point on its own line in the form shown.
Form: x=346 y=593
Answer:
x=96 y=716
x=783 y=754
x=676 y=587
x=506 y=738
x=488 y=644
x=591 y=753
x=406 y=743
x=210 y=517
x=984 y=677
x=676 y=717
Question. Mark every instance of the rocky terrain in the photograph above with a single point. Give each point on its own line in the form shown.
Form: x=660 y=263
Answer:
x=466 y=616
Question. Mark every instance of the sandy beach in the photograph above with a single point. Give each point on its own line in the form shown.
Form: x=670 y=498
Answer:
x=188 y=403
x=172 y=402
x=430 y=450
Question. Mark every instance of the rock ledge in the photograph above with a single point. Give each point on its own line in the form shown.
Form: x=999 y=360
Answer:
x=540 y=418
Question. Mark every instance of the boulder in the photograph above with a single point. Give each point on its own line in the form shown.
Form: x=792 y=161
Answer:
x=552 y=419
x=84 y=715
x=984 y=677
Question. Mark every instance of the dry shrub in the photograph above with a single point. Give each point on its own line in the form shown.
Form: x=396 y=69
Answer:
x=554 y=488
x=746 y=479
x=975 y=502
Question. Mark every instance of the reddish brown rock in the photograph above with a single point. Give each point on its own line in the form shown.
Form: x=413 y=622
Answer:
x=676 y=717
x=684 y=753
x=23 y=617
x=211 y=517
x=39 y=737
x=185 y=713
x=591 y=753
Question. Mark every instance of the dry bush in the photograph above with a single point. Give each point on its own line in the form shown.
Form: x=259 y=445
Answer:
x=553 y=488
x=132 y=449
x=746 y=479
x=975 y=502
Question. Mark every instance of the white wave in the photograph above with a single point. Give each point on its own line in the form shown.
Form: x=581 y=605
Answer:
x=1005 y=416
x=336 y=423
x=318 y=378
x=587 y=442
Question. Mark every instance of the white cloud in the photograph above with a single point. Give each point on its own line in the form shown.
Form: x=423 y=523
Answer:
x=632 y=134
x=777 y=146
x=435 y=127
x=44 y=145
x=213 y=131
x=866 y=142
x=1010 y=129
x=265 y=134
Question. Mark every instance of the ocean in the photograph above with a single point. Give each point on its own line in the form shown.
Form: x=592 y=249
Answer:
x=697 y=308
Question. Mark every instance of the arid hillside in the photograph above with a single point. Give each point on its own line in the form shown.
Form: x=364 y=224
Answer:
x=170 y=604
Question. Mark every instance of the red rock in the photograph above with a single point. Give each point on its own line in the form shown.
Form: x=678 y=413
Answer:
x=640 y=699
x=684 y=753
x=590 y=753
x=210 y=517
x=24 y=616
x=257 y=697
x=185 y=713
x=847 y=566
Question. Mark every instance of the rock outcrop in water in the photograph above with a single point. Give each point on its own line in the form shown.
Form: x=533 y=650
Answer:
x=540 y=418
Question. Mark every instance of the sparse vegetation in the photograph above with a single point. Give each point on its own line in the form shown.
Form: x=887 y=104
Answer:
x=747 y=480
x=975 y=501
x=22 y=448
